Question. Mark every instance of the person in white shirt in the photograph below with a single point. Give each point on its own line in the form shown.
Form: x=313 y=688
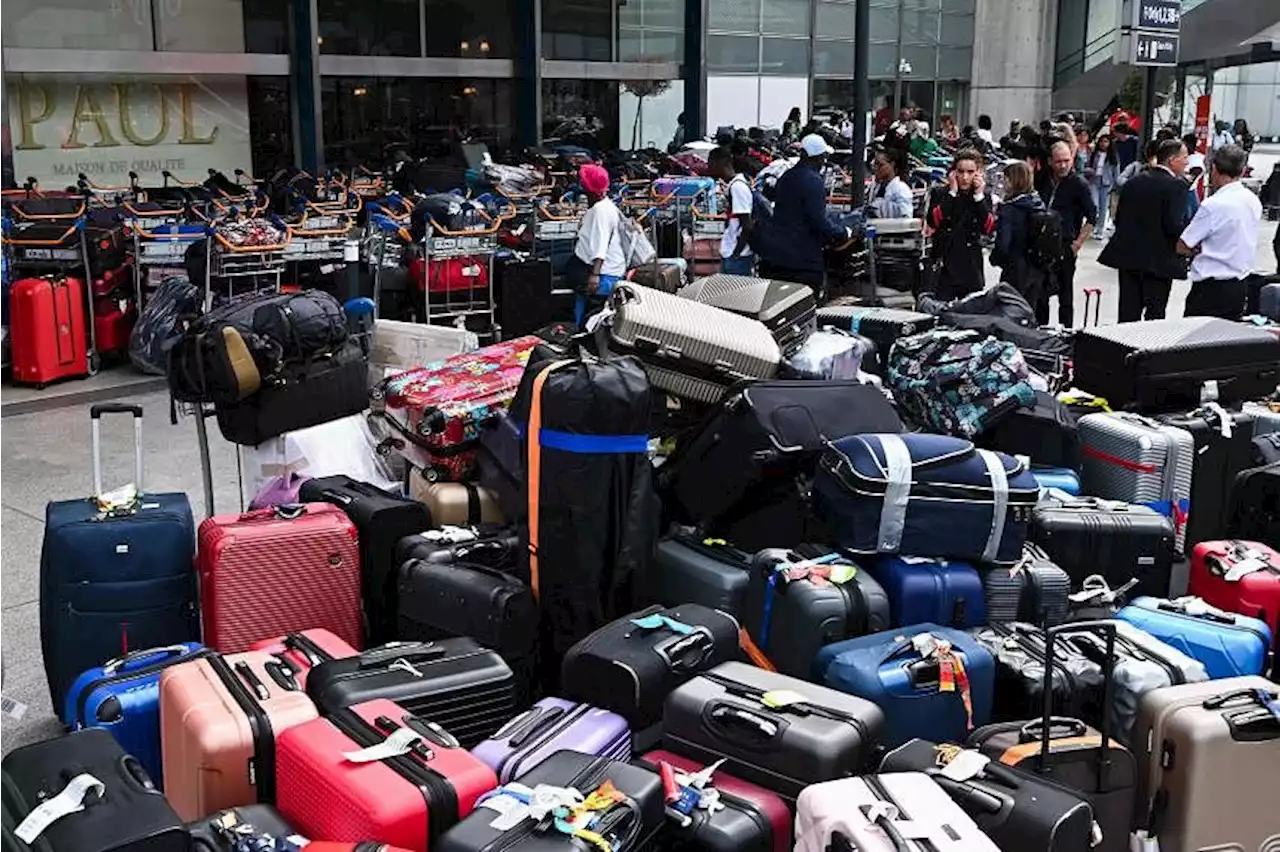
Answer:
x=1222 y=239
x=1222 y=136
x=599 y=262
x=892 y=198
x=735 y=248
x=984 y=130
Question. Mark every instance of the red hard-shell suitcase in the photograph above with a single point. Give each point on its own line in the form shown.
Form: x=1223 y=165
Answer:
x=278 y=570
x=753 y=819
x=406 y=800
x=436 y=412
x=304 y=650
x=1218 y=576
x=112 y=325
x=47 y=329
x=451 y=275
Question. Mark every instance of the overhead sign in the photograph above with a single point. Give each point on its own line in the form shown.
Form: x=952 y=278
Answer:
x=1154 y=48
x=1161 y=15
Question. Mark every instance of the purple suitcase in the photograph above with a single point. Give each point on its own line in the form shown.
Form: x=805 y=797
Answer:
x=551 y=725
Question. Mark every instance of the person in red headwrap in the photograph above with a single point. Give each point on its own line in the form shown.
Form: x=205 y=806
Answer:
x=598 y=261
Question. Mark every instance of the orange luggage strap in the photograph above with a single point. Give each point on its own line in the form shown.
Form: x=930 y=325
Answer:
x=534 y=478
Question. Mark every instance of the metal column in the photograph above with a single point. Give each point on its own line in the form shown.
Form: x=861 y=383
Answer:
x=304 y=81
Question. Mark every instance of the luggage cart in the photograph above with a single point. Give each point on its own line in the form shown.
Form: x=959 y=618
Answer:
x=443 y=245
x=256 y=263
x=159 y=250
x=322 y=232
x=554 y=236
x=702 y=248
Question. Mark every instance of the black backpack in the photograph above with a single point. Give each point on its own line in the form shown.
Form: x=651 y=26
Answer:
x=1046 y=242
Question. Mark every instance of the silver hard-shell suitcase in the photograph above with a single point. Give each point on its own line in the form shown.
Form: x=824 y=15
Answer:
x=786 y=308
x=1035 y=590
x=1139 y=460
x=689 y=349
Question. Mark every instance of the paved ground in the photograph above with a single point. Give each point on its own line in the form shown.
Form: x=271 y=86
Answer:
x=45 y=456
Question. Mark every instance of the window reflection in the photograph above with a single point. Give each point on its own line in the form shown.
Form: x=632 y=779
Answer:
x=369 y=27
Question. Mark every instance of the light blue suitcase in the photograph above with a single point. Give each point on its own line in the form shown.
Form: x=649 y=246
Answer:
x=1228 y=644
x=1059 y=478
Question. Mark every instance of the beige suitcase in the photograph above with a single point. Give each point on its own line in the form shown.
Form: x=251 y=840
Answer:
x=219 y=717
x=1208 y=765
x=455 y=504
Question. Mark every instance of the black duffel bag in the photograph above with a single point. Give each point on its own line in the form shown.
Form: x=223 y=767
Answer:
x=451 y=212
x=230 y=352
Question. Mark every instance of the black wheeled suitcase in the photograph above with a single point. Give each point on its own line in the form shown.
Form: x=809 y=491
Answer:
x=1017 y=810
x=700 y=570
x=1046 y=434
x=1035 y=590
x=523 y=296
x=629 y=666
x=1118 y=541
x=787 y=309
x=1255 y=505
x=1223 y=448
x=883 y=326
x=1019 y=652
x=465 y=689
x=381 y=520
x=490 y=545
x=1161 y=365
x=738 y=712
x=112 y=805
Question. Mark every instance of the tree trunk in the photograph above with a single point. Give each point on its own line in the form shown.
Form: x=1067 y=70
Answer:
x=635 y=125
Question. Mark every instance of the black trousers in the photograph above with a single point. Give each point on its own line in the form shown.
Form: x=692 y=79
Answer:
x=1063 y=278
x=1217 y=297
x=1143 y=296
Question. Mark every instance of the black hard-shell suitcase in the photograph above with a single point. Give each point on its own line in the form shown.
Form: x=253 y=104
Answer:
x=787 y=309
x=467 y=690
x=221 y=831
x=1017 y=810
x=781 y=746
x=1046 y=434
x=630 y=665
x=700 y=570
x=1118 y=541
x=1161 y=365
x=1036 y=590
x=791 y=617
x=1019 y=651
x=630 y=825
x=1255 y=505
x=1218 y=459
x=490 y=545
x=128 y=813
x=381 y=519
x=882 y=325
x=523 y=294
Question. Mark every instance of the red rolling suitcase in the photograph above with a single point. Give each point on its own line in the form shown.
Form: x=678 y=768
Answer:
x=407 y=799
x=112 y=324
x=306 y=649
x=1238 y=576
x=278 y=570
x=48 y=337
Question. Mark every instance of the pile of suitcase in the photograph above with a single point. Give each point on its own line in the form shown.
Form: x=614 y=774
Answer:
x=856 y=630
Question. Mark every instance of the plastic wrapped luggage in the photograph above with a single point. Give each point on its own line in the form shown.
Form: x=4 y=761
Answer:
x=455 y=683
x=706 y=571
x=219 y=720
x=630 y=665
x=813 y=734
x=274 y=571
x=1019 y=651
x=788 y=310
x=931 y=681
x=1136 y=459
x=223 y=830
x=116 y=580
x=552 y=725
x=1238 y=576
x=436 y=412
x=753 y=819
x=690 y=350
x=685 y=189
x=627 y=822
x=801 y=600
x=1227 y=644
x=376 y=770
x=830 y=354
x=123 y=697
x=889 y=812
x=1118 y=541
x=1255 y=505
x=1222 y=448
x=1161 y=365
x=1190 y=740
x=455 y=504
x=399 y=346
x=880 y=493
x=938 y=591
x=158 y=323
x=1046 y=433
x=883 y=326
x=488 y=545
x=1035 y=590
x=84 y=791
x=1016 y=810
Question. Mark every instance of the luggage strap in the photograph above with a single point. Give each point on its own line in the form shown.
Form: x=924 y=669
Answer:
x=1000 y=506
x=535 y=468
x=897 y=492
x=564 y=809
x=818 y=571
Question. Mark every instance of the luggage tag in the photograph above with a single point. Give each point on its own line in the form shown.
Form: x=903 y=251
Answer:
x=69 y=801
x=1250 y=564
x=400 y=742
x=961 y=764
x=657 y=622
x=122 y=500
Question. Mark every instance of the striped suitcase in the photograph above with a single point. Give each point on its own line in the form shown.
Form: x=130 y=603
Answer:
x=1139 y=460
x=691 y=350
x=787 y=309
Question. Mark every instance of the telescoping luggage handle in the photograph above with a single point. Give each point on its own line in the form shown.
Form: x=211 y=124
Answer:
x=1048 y=722
x=95 y=415
x=134 y=659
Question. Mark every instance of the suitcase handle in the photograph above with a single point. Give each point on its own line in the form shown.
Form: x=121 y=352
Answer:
x=134 y=659
x=1217 y=617
x=972 y=797
x=380 y=656
x=731 y=720
x=1261 y=697
x=1108 y=675
x=132 y=770
x=889 y=827
x=95 y=416
x=1066 y=725
x=283 y=512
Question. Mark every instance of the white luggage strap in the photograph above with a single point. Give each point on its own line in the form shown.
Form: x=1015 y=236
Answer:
x=897 y=492
x=69 y=801
x=1000 y=503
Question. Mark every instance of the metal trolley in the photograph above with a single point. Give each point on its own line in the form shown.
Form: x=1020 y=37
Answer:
x=452 y=305
x=262 y=265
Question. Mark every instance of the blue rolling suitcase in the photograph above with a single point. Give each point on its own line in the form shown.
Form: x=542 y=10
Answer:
x=938 y=591
x=1060 y=478
x=889 y=670
x=114 y=579
x=123 y=697
x=1229 y=645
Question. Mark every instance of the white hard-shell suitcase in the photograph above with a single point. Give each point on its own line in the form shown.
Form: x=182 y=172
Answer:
x=893 y=812
x=1139 y=460
x=689 y=349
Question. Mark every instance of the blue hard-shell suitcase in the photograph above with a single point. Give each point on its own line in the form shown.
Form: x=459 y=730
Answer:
x=1059 y=478
x=112 y=582
x=123 y=697
x=1229 y=645
x=885 y=668
x=940 y=591
x=925 y=495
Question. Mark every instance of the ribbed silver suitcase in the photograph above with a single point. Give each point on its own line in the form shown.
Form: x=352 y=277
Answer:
x=787 y=309
x=689 y=349
x=1139 y=460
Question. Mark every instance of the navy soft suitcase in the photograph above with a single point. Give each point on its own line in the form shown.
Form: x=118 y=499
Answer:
x=116 y=580
x=888 y=670
x=925 y=495
x=1229 y=645
x=938 y=591
x=123 y=697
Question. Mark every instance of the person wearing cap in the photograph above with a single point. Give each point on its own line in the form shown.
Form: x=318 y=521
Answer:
x=598 y=261
x=790 y=248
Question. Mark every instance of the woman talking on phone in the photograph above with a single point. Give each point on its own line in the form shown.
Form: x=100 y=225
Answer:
x=958 y=217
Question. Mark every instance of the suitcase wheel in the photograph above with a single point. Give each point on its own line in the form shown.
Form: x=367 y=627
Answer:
x=95 y=363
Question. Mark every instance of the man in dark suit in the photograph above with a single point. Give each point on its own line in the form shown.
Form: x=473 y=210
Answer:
x=1144 y=249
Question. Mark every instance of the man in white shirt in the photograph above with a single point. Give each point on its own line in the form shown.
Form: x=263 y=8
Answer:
x=735 y=248
x=599 y=262
x=1222 y=239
